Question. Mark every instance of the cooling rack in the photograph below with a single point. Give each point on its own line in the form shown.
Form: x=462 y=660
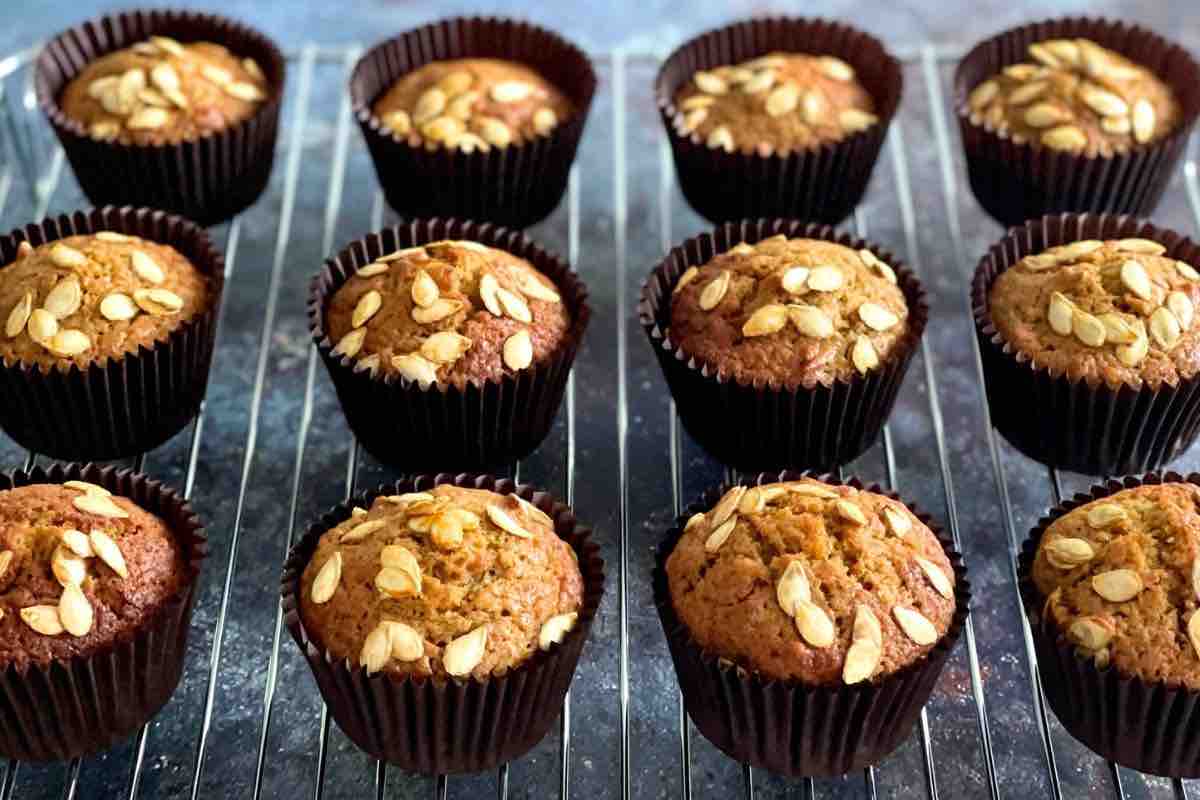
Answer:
x=270 y=451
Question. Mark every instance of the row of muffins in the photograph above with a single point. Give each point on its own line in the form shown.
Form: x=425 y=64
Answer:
x=766 y=118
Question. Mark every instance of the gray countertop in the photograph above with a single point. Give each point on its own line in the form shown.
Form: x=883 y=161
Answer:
x=273 y=434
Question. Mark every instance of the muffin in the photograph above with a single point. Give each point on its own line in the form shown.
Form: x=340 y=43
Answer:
x=1090 y=116
x=447 y=312
x=1110 y=583
x=476 y=118
x=449 y=343
x=439 y=593
x=472 y=104
x=807 y=598
x=777 y=117
x=173 y=110
x=1102 y=320
x=93 y=580
x=109 y=320
x=782 y=344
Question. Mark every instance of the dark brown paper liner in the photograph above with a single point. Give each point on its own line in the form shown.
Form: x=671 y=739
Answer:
x=442 y=426
x=1094 y=429
x=822 y=184
x=434 y=725
x=757 y=426
x=790 y=727
x=133 y=402
x=1148 y=726
x=516 y=185
x=68 y=709
x=209 y=179
x=1016 y=182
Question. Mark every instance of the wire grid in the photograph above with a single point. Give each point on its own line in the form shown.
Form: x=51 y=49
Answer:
x=25 y=150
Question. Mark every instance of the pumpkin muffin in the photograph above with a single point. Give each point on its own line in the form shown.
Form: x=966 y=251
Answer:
x=1076 y=96
x=790 y=312
x=451 y=312
x=776 y=103
x=79 y=569
x=1117 y=311
x=810 y=582
x=450 y=582
x=1119 y=577
x=472 y=104
x=90 y=298
x=160 y=91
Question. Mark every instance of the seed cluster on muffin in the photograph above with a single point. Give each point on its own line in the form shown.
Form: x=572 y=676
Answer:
x=87 y=298
x=775 y=103
x=1076 y=96
x=472 y=104
x=79 y=567
x=447 y=312
x=161 y=91
x=813 y=582
x=1120 y=577
x=452 y=581
x=790 y=311
x=1118 y=310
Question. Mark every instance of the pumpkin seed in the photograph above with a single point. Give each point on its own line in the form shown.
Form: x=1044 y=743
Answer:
x=146 y=267
x=1105 y=514
x=148 y=118
x=793 y=588
x=100 y=506
x=1118 y=585
x=1023 y=95
x=1065 y=137
x=814 y=625
x=850 y=512
x=1181 y=306
x=416 y=368
x=1164 y=327
x=505 y=522
x=854 y=120
x=445 y=347
x=1091 y=632
x=554 y=629
x=863 y=355
x=514 y=305
x=366 y=307
x=726 y=506
x=1144 y=120
x=399 y=122
x=720 y=138
x=351 y=343
x=544 y=121
x=825 y=279
x=437 y=311
x=19 y=316
x=511 y=91
x=897 y=521
x=709 y=83
x=463 y=654
x=159 y=302
x=1043 y=115
x=783 y=100
x=117 y=307
x=106 y=549
x=1103 y=102
x=1061 y=314
x=407 y=644
x=719 y=536
x=811 y=321
x=877 y=317
x=687 y=277
x=67 y=257
x=937 y=578
x=376 y=650
x=915 y=625
x=395 y=583
x=1067 y=553
x=42 y=619
x=1136 y=279
x=328 y=577
x=714 y=292
x=983 y=94
x=518 y=350
x=766 y=320
x=534 y=289
x=1088 y=329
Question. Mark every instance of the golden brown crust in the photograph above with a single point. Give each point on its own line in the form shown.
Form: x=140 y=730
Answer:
x=492 y=578
x=163 y=92
x=821 y=336
x=157 y=290
x=1076 y=96
x=726 y=592
x=1115 y=311
x=32 y=521
x=1119 y=577
x=472 y=104
x=494 y=304
x=775 y=103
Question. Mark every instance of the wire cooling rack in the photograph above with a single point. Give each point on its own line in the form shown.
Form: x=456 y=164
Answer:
x=270 y=450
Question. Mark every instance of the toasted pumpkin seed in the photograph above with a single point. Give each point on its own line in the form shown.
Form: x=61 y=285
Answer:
x=554 y=629
x=915 y=625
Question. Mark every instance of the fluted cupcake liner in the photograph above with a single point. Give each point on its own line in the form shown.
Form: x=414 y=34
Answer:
x=821 y=184
x=762 y=426
x=1095 y=429
x=790 y=727
x=1152 y=727
x=516 y=185
x=85 y=704
x=1015 y=182
x=208 y=179
x=131 y=402
x=443 y=426
x=448 y=725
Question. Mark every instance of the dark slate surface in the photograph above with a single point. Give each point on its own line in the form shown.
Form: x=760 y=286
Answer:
x=258 y=404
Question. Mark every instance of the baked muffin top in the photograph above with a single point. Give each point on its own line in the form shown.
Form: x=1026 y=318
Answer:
x=451 y=581
x=774 y=104
x=811 y=582
x=1117 y=311
x=1077 y=96
x=789 y=312
x=1120 y=576
x=79 y=567
x=472 y=104
x=161 y=91
x=85 y=299
x=447 y=312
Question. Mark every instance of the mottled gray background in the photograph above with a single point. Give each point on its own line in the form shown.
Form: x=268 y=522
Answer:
x=628 y=209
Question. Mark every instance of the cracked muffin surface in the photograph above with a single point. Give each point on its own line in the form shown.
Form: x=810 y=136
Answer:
x=812 y=582
x=774 y=104
x=1120 y=578
x=1076 y=96
x=790 y=312
x=1117 y=311
x=452 y=581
